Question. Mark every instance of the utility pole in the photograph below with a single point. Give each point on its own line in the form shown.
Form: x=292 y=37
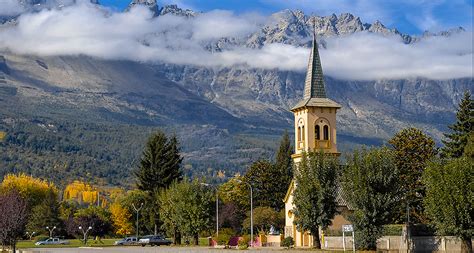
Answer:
x=138 y=211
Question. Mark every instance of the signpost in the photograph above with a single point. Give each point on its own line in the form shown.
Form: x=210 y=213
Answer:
x=347 y=228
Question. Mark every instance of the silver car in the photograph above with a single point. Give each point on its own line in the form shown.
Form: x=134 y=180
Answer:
x=126 y=241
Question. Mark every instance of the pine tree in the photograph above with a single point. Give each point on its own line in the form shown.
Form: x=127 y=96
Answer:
x=160 y=163
x=284 y=162
x=160 y=166
x=456 y=140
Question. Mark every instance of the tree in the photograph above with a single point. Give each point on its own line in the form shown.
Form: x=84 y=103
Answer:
x=413 y=150
x=315 y=193
x=96 y=217
x=264 y=217
x=160 y=166
x=371 y=183
x=160 y=163
x=13 y=218
x=46 y=214
x=456 y=140
x=187 y=207
x=121 y=219
x=81 y=192
x=449 y=198
x=269 y=185
x=284 y=162
x=33 y=190
x=148 y=212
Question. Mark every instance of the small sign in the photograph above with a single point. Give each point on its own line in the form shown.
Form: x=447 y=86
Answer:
x=347 y=228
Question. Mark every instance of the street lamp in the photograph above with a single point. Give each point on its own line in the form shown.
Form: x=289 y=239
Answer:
x=30 y=235
x=217 y=209
x=138 y=211
x=85 y=233
x=51 y=231
x=251 y=210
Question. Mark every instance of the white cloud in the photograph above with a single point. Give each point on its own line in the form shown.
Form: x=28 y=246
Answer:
x=10 y=7
x=91 y=30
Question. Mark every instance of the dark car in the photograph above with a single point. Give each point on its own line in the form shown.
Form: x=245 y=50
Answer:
x=154 y=240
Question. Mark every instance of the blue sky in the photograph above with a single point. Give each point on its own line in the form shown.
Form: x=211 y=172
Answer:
x=408 y=16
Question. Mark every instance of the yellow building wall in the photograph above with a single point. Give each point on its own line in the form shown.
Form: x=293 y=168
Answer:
x=310 y=117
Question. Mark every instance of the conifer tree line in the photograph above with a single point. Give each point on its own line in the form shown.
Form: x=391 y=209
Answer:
x=410 y=176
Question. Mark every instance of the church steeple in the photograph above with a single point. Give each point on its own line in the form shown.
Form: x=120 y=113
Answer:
x=314 y=84
x=314 y=88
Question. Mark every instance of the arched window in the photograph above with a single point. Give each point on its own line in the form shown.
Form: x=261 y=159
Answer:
x=302 y=133
x=326 y=132
x=299 y=134
x=317 y=132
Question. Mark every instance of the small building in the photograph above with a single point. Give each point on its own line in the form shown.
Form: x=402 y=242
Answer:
x=315 y=129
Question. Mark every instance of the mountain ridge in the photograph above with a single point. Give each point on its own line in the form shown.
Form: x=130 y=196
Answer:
x=101 y=111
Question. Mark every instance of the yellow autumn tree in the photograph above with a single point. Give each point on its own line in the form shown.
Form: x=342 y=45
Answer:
x=81 y=192
x=34 y=190
x=121 y=219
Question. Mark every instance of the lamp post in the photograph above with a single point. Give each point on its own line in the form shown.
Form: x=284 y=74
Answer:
x=217 y=208
x=85 y=233
x=30 y=235
x=138 y=211
x=51 y=231
x=251 y=210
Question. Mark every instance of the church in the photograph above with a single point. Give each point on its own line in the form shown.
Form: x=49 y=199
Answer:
x=315 y=129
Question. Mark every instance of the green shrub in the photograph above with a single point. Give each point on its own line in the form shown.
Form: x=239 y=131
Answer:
x=224 y=236
x=287 y=242
x=392 y=230
x=244 y=242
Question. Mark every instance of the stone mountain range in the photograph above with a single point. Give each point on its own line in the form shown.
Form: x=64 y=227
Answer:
x=225 y=117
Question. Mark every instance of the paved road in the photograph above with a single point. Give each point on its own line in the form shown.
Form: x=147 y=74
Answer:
x=148 y=250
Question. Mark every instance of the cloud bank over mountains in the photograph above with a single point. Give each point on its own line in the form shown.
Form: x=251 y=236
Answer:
x=87 y=29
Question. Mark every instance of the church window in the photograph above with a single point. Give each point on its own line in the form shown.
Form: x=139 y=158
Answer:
x=326 y=132
x=302 y=133
x=317 y=132
x=299 y=133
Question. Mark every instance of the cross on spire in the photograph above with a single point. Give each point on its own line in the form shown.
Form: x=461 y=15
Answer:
x=314 y=83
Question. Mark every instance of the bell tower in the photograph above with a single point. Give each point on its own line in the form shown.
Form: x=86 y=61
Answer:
x=315 y=114
x=315 y=129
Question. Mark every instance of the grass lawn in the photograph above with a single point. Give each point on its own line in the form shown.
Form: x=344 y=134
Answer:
x=73 y=243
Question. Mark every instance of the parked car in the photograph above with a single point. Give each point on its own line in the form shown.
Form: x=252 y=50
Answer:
x=127 y=241
x=154 y=240
x=52 y=241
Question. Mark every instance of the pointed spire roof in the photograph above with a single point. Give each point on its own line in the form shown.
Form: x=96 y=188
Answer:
x=314 y=88
x=314 y=84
